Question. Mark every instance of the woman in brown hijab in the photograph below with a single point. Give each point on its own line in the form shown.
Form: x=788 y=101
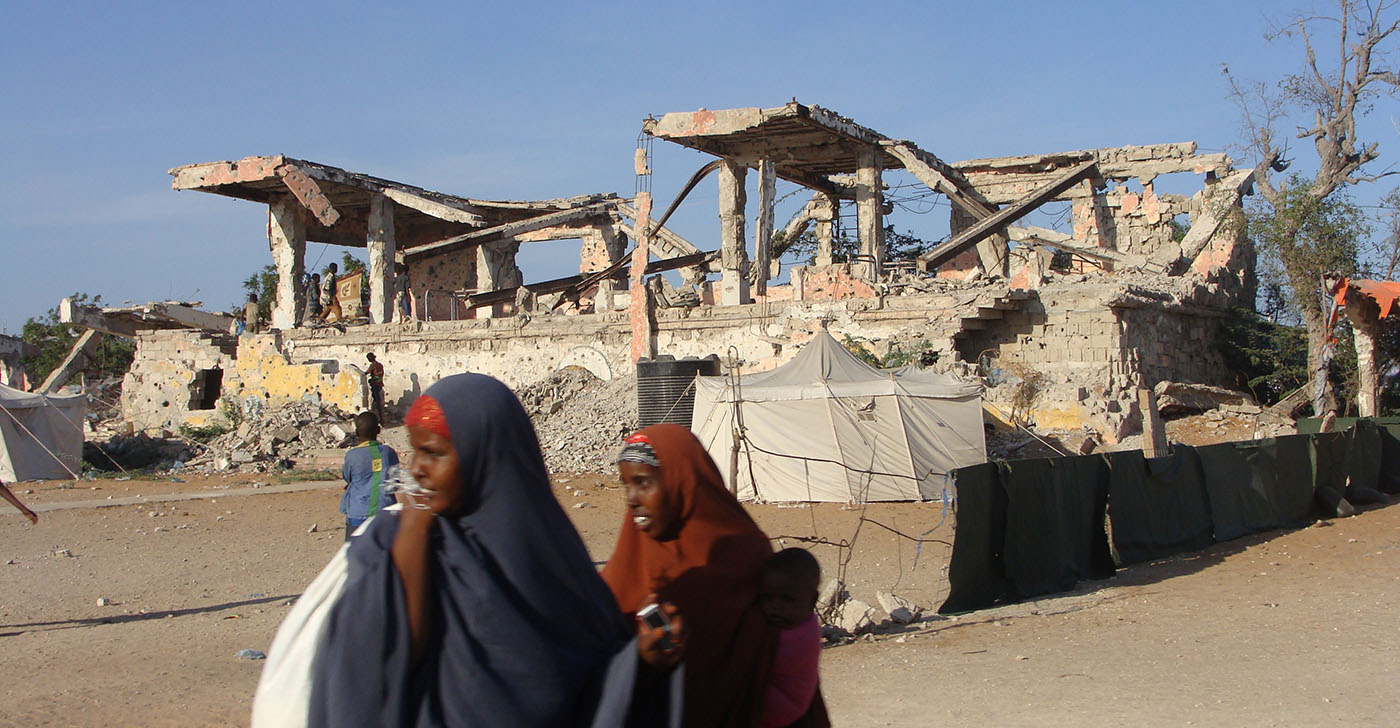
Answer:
x=687 y=541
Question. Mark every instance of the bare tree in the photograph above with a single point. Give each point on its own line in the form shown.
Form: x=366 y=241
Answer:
x=1358 y=39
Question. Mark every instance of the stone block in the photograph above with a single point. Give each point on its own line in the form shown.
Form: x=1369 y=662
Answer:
x=856 y=617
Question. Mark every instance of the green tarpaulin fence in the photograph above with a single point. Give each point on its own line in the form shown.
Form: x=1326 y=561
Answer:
x=1032 y=527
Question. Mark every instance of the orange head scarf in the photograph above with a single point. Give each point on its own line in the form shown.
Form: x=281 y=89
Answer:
x=710 y=571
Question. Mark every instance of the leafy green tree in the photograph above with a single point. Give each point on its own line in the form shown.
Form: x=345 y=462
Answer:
x=263 y=284
x=1303 y=227
x=898 y=246
x=54 y=340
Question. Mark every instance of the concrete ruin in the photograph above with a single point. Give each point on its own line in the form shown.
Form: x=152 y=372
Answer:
x=1077 y=320
x=13 y=350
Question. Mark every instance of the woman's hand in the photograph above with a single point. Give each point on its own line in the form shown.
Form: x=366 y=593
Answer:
x=659 y=647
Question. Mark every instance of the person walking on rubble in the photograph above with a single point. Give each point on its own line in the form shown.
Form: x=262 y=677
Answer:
x=330 y=297
x=363 y=471
x=375 y=375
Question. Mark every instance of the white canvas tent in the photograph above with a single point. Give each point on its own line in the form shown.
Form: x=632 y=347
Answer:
x=816 y=428
x=41 y=435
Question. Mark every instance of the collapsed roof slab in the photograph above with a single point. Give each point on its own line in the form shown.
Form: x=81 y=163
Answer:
x=127 y=321
x=339 y=200
x=806 y=143
x=1007 y=179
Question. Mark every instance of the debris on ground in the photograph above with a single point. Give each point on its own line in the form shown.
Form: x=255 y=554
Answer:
x=277 y=438
x=250 y=654
x=581 y=420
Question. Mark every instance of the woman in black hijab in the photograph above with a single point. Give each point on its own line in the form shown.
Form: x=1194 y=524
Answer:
x=482 y=608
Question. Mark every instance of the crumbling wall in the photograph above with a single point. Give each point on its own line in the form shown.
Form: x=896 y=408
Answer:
x=1085 y=340
x=438 y=277
x=263 y=372
x=161 y=391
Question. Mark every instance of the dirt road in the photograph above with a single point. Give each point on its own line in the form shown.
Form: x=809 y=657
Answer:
x=1284 y=629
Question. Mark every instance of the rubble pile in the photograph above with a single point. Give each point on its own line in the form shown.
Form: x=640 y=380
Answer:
x=138 y=451
x=581 y=420
x=268 y=437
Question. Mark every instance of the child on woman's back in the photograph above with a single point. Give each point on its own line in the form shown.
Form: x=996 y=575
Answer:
x=788 y=595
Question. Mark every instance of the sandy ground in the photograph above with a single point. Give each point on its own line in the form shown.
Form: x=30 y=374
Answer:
x=1278 y=629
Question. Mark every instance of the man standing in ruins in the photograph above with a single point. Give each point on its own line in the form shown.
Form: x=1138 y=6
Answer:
x=375 y=375
x=330 y=297
x=250 y=314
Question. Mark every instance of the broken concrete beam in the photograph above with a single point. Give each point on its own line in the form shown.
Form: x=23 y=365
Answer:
x=309 y=194
x=1184 y=397
x=508 y=230
x=83 y=351
x=450 y=211
x=1154 y=433
x=1220 y=201
x=1003 y=217
x=992 y=252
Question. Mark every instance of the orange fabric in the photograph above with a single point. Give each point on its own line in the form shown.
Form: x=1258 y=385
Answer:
x=427 y=414
x=710 y=571
x=1385 y=293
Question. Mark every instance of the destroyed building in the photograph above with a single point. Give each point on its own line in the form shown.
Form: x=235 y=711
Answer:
x=1149 y=277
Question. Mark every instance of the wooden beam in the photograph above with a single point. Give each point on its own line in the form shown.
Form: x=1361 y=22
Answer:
x=997 y=222
x=308 y=193
x=433 y=208
x=501 y=232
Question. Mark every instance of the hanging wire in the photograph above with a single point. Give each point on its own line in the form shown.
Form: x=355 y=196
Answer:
x=845 y=546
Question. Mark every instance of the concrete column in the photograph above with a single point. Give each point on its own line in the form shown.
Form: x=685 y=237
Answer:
x=602 y=246
x=495 y=269
x=639 y=311
x=763 y=228
x=286 y=235
x=870 y=223
x=379 y=245
x=733 y=253
x=1363 y=333
x=798 y=275
x=826 y=223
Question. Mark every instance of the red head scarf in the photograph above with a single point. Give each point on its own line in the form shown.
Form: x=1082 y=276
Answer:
x=711 y=572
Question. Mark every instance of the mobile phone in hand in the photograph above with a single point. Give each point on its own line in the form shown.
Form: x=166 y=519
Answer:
x=652 y=616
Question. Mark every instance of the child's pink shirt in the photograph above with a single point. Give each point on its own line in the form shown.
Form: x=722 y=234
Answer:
x=793 y=682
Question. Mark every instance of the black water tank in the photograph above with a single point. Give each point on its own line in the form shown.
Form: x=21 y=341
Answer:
x=664 y=393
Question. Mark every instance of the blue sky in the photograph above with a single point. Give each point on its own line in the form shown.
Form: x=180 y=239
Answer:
x=524 y=100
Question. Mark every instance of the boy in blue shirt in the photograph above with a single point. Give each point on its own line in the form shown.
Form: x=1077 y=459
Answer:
x=363 y=471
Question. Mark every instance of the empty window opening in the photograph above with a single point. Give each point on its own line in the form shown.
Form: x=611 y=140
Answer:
x=206 y=388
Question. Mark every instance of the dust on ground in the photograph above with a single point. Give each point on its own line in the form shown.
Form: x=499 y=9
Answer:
x=1284 y=628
